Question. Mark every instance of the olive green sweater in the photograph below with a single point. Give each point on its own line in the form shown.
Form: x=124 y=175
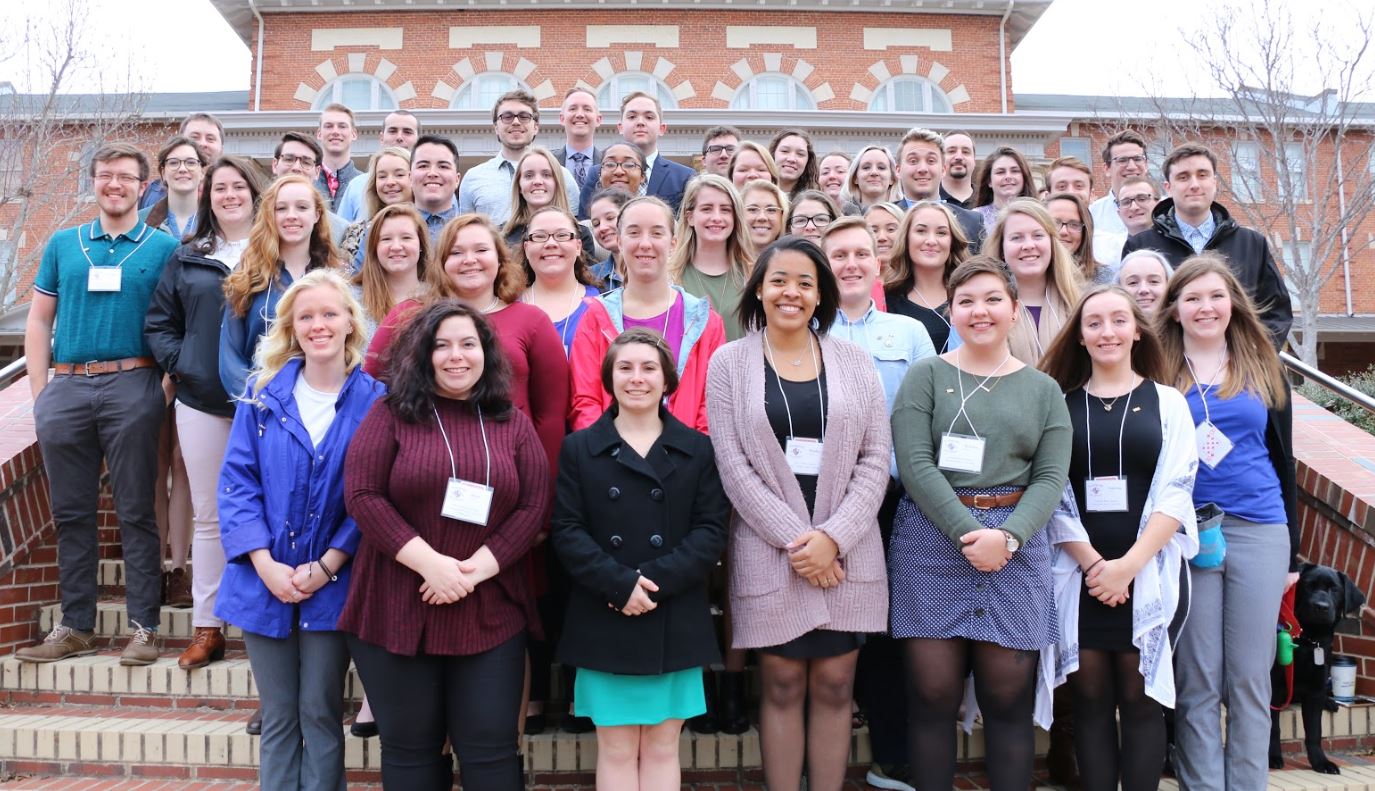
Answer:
x=1022 y=419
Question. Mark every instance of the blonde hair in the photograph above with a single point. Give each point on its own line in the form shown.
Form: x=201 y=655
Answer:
x=1029 y=338
x=769 y=164
x=372 y=202
x=901 y=273
x=1252 y=363
x=739 y=246
x=279 y=346
x=850 y=192
x=520 y=208
x=372 y=278
x=261 y=264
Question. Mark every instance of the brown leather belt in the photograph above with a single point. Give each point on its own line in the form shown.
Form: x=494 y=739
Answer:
x=100 y=367
x=990 y=500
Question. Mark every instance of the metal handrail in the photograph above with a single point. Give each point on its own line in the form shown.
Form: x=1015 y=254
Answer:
x=12 y=372
x=1328 y=383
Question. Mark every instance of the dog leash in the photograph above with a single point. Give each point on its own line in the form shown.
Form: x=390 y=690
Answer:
x=1288 y=627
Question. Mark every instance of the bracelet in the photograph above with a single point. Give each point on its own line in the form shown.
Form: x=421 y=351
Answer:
x=1093 y=564
x=332 y=576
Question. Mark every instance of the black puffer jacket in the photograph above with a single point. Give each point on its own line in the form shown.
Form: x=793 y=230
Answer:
x=183 y=328
x=1247 y=252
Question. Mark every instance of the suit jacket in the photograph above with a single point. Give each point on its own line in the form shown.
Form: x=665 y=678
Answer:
x=970 y=222
x=562 y=153
x=619 y=515
x=667 y=181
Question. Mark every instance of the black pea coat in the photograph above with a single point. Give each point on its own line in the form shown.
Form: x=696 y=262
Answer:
x=618 y=516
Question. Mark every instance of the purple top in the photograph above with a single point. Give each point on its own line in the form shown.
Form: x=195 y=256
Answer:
x=670 y=325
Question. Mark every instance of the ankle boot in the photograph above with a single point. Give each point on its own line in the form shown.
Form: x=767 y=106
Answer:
x=1061 y=763
x=733 y=711
x=706 y=722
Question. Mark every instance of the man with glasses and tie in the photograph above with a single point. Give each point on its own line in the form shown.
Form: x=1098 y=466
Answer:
x=580 y=118
x=487 y=187
x=301 y=154
x=105 y=403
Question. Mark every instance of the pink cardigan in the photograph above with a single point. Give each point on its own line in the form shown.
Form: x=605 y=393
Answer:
x=770 y=603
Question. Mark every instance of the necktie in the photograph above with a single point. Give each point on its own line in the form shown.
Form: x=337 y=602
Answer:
x=580 y=166
x=331 y=181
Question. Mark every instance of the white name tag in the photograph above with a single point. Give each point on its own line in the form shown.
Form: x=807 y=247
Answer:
x=804 y=455
x=1213 y=445
x=1105 y=494
x=961 y=453
x=103 y=278
x=467 y=501
x=1319 y=658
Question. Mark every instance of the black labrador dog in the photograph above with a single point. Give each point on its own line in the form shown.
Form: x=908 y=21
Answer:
x=1324 y=596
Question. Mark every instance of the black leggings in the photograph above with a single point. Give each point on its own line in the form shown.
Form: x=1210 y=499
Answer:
x=1108 y=688
x=1005 y=687
x=473 y=700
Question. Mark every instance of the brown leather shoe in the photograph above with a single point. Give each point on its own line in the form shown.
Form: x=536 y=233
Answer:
x=178 y=589
x=206 y=646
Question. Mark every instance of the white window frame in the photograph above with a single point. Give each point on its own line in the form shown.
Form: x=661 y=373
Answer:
x=462 y=99
x=1246 y=183
x=746 y=95
x=1298 y=167
x=380 y=96
x=611 y=92
x=933 y=99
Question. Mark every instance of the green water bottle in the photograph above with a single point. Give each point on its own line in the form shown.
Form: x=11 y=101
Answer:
x=1284 y=647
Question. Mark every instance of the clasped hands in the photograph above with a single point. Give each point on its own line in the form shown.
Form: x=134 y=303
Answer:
x=292 y=585
x=813 y=556
x=1109 y=581
x=985 y=549
x=448 y=579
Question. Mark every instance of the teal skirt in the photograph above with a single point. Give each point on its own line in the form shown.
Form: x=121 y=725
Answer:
x=611 y=699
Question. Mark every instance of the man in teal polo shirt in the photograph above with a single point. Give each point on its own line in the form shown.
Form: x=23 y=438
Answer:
x=105 y=402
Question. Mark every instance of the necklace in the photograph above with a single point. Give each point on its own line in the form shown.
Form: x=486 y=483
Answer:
x=1108 y=405
x=492 y=305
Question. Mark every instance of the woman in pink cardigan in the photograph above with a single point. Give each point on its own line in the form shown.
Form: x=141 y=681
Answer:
x=807 y=576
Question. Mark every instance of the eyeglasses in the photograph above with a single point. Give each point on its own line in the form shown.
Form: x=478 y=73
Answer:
x=719 y=149
x=540 y=237
x=628 y=167
x=509 y=118
x=1136 y=159
x=190 y=163
x=755 y=211
x=291 y=159
x=122 y=178
x=818 y=220
x=1073 y=225
x=1137 y=200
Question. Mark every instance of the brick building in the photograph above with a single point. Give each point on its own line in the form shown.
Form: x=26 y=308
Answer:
x=853 y=72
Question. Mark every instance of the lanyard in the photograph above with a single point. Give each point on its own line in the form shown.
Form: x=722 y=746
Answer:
x=1088 y=429
x=567 y=320
x=453 y=467
x=143 y=239
x=821 y=398
x=1036 y=325
x=964 y=399
x=864 y=324
x=1204 y=391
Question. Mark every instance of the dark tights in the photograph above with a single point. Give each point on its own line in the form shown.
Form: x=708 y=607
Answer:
x=1005 y=687
x=1108 y=688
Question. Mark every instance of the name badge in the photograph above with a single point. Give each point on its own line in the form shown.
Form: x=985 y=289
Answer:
x=804 y=455
x=103 y=278
x=1319 y=658
x=467 y=501
x=961 y=453
x=1213 y=445
x=1105 y=494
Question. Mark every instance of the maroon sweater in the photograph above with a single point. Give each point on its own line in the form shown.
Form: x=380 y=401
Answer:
x=394 y=482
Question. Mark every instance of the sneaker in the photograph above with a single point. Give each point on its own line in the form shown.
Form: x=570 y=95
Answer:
x=61 y=642
x=178 y=589
x=890 y=776
x=142 y=648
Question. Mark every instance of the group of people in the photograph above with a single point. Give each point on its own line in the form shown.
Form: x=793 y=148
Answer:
x=560 y=409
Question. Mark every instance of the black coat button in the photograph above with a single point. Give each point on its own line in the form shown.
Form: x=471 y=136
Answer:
x=616 y=542
x=656 y=494
x=613 y=492
x=656 y=541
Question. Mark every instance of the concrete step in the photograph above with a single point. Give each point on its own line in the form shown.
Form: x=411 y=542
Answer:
x=112 y=622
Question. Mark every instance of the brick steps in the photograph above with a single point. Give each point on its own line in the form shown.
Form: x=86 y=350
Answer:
x=112 y=624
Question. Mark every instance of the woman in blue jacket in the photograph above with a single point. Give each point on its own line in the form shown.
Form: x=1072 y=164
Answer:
x=286 y=536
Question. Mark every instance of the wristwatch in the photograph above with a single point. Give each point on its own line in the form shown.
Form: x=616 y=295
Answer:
x=1012 y=543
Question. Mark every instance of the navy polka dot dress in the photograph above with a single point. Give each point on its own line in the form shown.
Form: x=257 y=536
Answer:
x=937 y=594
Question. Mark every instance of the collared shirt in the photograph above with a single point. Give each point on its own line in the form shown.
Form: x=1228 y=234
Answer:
x=342 y=176
x=436 y=221
x=486 y=189
x=892 y=340
x=101 y=325
x=1105 y=216
x=350 y=203
x=1197 y=237
x=587 y=155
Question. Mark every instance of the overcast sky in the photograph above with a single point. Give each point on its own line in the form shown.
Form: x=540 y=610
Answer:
x=1087 y=47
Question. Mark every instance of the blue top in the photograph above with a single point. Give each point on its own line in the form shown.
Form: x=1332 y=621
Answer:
x=606 y=272
x=1197 y=236
x=170 y=225
x=350 y=202
x=101 y=325
x=281 y=492
x=486 y=189
x=239 y=335
x=567 y=328
x=1244 y=484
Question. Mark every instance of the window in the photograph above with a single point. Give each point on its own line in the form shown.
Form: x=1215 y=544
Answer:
x=1298 y=257
x=85 y=186
x=482 y=91
x=1297 y=163
x=357 y=92
x=909 y=94
x=611 y=93
x=1246 y=172
x=11 y=168
x=1077 y=147
x=773 y=92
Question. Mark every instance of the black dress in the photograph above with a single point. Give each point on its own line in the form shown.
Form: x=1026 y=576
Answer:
x=1112 y=533
x=936 y=322
x=806 y=403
